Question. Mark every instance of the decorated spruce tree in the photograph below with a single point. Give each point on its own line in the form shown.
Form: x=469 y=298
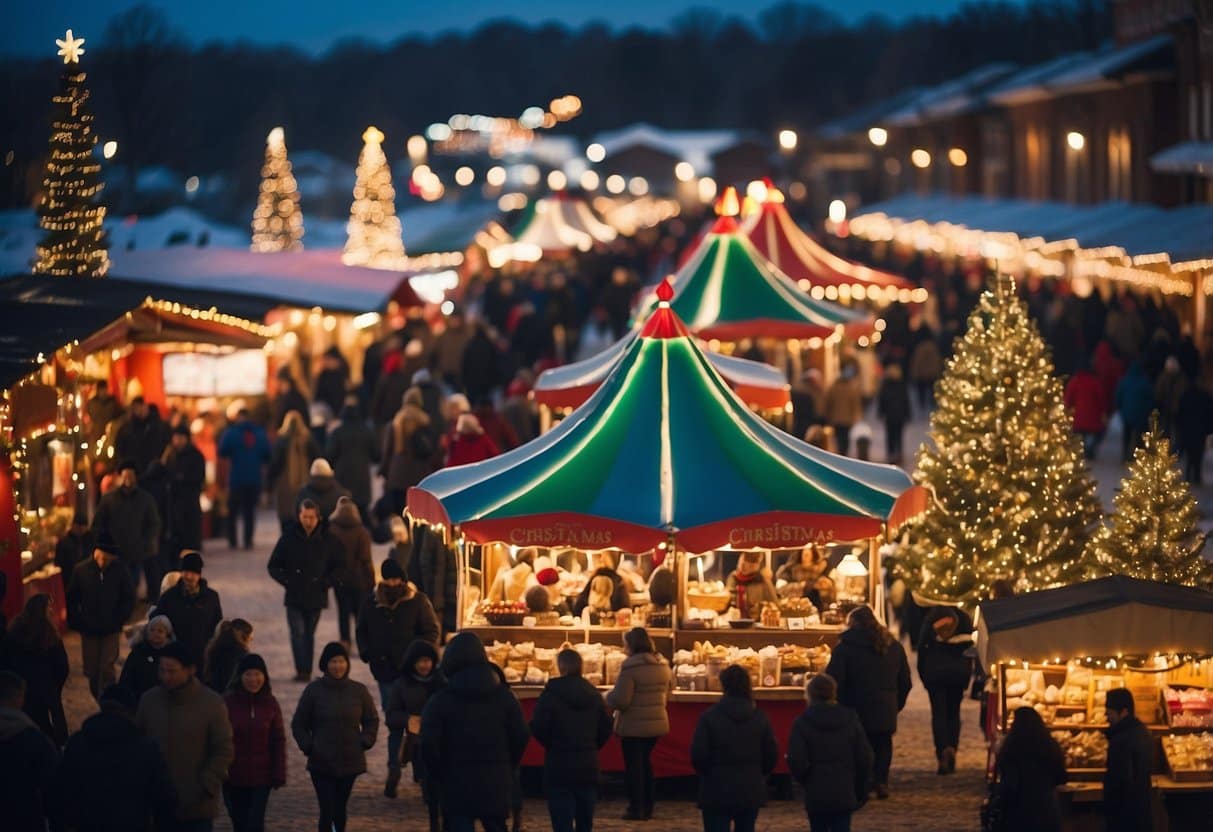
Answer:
x=1154 y=532
x=277 y=219
x=70 y=209
x=1011 y=496
x=373 y=232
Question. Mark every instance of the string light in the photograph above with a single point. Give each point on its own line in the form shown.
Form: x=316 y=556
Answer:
x=277 y=219
x=373 y=232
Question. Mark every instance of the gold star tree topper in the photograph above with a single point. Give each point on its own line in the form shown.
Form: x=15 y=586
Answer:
x=70 y=48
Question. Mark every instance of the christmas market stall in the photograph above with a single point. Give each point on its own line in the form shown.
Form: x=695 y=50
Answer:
x=555 y=226
x=64 y=335
x=728 y=292
x=651 y=504
x=1059 y=651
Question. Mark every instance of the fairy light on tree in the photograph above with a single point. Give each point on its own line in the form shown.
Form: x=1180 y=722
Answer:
x=70 y=209
x=277 y=219
x=1154 y=533
x=373 y=232
x=1011 y=496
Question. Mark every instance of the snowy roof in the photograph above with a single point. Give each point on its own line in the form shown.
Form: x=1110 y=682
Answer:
x=1084 y=70
x=949 y=97
x=860 y=120
x=694 y=146
x=297 y=278
x=1188 y=157
x=554 y=151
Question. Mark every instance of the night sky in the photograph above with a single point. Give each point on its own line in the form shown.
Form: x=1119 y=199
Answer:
x=32 y=25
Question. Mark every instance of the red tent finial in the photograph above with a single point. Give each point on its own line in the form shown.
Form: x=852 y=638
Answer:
x=665 y=290
x=727 y=205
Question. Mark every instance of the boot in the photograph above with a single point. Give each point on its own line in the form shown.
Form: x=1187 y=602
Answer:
x=949 y=760
x=393 y=780
x=632 y=813
x=517 y=824
x=648 y=811
x=435 y=823
x=942 y=768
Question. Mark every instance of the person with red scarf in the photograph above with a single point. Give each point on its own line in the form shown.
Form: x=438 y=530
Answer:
x=750 y=585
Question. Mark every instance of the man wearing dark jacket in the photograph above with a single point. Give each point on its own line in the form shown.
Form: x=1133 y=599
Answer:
x=305 y=561
x=829 y=755
x=192 y=606
x=390 y=619
x=112 y=779
x=1126 y=784
x=945 y=669
x=873 y=678
x=186 y=469
x=27 y=762
x=128 y=516
x=571 y=722
x=431 y=568
x=141 y=436
x=75 y=546
x=473 y=735
x=100 y=598
x=352 y=449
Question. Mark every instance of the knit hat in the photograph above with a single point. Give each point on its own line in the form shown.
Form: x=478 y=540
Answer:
x=182 y=429
x=119 y=697
x=127 y=463
x=463 y=651
x=390 y=569
x=180 y=652
x=106 y=544
x=252 y=661
x=547 y=577
x=191 y=561
x=321 y=468
x=331 y=651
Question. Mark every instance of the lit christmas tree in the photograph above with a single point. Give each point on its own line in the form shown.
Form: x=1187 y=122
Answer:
x=1010 y=493
x=373 y=232
x=1154 y=532
x=277 y=220
x=70 y=210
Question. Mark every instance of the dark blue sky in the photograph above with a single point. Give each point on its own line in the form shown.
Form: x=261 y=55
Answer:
x=32 y=25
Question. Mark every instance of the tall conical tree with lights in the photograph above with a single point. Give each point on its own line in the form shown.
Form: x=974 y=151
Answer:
x=277 y=219
x=70 y=209
x=1154 y=533
x=1011 y=496
x=373 y=232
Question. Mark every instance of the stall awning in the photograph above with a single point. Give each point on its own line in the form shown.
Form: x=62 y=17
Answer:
x=1105 y=617
x=728 y=291
x=665 y=449
x=759 y=385
x=562 y=224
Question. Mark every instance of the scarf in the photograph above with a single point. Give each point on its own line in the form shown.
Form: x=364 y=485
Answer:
x=743 y=583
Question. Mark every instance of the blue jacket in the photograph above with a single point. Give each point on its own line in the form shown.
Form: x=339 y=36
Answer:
x=248 y=448
x=1135 y=398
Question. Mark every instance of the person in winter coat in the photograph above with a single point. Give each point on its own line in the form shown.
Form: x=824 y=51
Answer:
x=571 y=724
x=844 y=406
x=750 y=585
x=409 y=447
x=322 y=488
x=1193 y=424
x=332 y=380
x=141 y=671
x=128 y=516
x=111 y=778
x=356 y=577
x=34 y=651
x=259 y=740
x=473 y=735
x=419 y=680
x=351 y=449
x=873 y=677
x=247 y=449
x=1134 y=402
x=432 y=569
x=1126 y=784
x=334 y=725
x=288 y=399
x=926 y=366
x=893 y=405
x=829 y=755
x=607 y=565
x=305 y=561
x=28 y=761
x=232 y=642
x=1169 y=389
x=733 y=751
x=639 y=701
x=290 y=466
x=76 y=546
x=481 y=363
x=388 y=622
x=186 y=470
x=141 y=435
x=390 y=386
x=189 y=723
x=495 y=427
x=1084 y=396
x=471 y=443
x=192 y=606
x=100 y=598
x=945 y=670
x=1030 y=767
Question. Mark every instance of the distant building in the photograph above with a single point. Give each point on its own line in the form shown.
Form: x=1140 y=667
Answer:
x=642 y=150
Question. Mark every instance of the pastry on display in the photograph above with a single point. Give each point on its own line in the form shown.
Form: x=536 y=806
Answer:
x=1189 y=752
x=1083 y=749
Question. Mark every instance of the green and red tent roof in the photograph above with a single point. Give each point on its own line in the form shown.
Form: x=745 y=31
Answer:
x=665 y=449
x=728 y=290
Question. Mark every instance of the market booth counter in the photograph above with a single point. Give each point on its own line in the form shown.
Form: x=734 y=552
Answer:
x=1060 y=651
x=662 y=476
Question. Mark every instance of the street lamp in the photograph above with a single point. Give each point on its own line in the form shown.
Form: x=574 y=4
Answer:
x=788 y=140
x=878 y=136
x=1076 y=140
x=920 y=158
x=958 y=157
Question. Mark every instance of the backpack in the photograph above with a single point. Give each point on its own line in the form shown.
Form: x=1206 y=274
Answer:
x=421 y=443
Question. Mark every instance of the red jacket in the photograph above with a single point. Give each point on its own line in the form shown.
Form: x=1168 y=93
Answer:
x=1085 y=397
x=468 y=449
x=259 y=738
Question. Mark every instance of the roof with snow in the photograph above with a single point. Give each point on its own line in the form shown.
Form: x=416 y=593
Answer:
x=1083 y=71
x=694 y=146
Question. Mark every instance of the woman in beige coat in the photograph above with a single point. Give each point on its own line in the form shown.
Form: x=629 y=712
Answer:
x=639 y=701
